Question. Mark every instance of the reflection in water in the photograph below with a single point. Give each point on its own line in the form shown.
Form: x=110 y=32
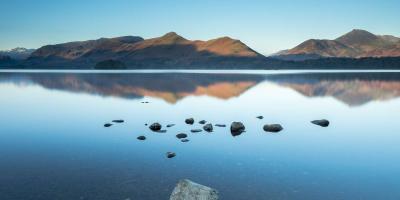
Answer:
x=170 y=87
x=354 y=89
x=53 y=144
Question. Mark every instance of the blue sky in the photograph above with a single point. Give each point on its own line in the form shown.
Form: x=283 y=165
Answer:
x=265 y=25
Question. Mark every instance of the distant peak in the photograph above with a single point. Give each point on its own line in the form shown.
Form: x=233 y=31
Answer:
x=225 y=39
x=19 y=50
x=357 y=37
x=359 y=32
x=172 y=37
x=171 y=34
x=129 y=39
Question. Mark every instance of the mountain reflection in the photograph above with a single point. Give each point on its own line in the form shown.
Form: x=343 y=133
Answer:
x=354 y=89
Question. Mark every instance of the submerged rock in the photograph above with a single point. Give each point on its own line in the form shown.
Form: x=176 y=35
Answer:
x=220 y=125
x=141 y=137
x=273 y=128
x=107 y=125
x=185 y=140
x=188 y=190
x=171 y=154
x=260 y=117
x=118 y=121
x=202 y=122
x=237 y=128
x=181 y=135
x=196 y=130
x=170 y=125
x=155 y=127
x=208 y=127
x=189 y=121
x=145 y=124
x=321 y=122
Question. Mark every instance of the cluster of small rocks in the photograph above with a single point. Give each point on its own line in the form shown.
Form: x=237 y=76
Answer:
x=116 y=121
x=236 y=128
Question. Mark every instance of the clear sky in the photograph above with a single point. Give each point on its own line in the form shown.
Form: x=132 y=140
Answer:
x=265 y=25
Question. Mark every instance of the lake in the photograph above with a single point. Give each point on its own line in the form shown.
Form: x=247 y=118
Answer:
x=53 y=143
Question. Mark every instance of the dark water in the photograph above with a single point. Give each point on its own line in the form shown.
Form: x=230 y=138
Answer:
x=53 y=144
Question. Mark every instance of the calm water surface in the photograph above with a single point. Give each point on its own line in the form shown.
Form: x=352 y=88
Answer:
x=53 y=144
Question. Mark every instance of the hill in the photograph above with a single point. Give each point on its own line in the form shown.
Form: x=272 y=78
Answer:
x=355 y=44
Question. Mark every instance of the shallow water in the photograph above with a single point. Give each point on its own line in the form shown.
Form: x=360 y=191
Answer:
x=53 y=144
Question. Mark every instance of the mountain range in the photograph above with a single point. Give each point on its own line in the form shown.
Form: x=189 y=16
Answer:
x=357 y=49
x=355 y=44
x=169 y=49
x=18 y=53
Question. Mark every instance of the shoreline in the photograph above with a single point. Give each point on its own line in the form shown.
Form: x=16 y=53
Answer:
x=196 y=71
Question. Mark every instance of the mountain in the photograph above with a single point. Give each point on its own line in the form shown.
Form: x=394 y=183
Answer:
x=168 y=50
x=18 y=53
x=355 y=50
x=355 y=44
x=83 y=52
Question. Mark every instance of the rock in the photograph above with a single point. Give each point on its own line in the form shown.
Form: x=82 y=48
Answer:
x=141 y=137
x=170 y=125
x=260 y=117
x=237 y=128
x=118 y=121
x=181 y=136
x=208 y=127
x=171 y=154
x=202 y=122
x=196 y=130
x=188 y=190
x=107 y=125
x=145 y=124
x=184 y=140
x=322 y=122
x=161 y=131
x=155 y=127
x=220 y=125
x=189 y=121
x=273 y=128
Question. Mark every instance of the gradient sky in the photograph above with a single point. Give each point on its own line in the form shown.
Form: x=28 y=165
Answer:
x=265 y=25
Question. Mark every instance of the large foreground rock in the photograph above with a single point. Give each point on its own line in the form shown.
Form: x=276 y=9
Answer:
x=189 y=121
x=208 y=127
x=274 y=128
x=237 y=128
x=188 y=190
x=155 y=127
